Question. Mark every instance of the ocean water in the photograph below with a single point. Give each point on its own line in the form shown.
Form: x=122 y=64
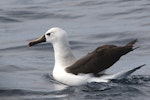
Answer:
x=25 y=72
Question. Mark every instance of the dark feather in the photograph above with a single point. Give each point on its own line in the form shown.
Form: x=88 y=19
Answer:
x=100 y=59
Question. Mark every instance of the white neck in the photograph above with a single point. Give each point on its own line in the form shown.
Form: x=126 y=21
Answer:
x=63 y=54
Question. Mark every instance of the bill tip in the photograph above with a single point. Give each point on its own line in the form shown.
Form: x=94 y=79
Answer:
x=29 y=44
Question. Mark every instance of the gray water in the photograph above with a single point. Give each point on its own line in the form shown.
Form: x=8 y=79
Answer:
x=24 y=71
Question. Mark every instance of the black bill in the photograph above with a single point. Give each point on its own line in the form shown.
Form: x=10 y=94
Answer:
x=38 y=40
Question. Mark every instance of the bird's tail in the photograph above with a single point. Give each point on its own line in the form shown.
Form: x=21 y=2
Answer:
x=128 y=47
x=130 y=44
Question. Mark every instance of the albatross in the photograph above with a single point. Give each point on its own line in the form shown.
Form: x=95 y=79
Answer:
x=90 y=68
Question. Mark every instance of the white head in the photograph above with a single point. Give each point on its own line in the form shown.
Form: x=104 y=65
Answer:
x=53 y=35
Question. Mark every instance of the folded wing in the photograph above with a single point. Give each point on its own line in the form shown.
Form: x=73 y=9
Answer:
x=100 y=59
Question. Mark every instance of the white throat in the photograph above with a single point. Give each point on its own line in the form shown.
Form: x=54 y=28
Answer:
x=63 y=54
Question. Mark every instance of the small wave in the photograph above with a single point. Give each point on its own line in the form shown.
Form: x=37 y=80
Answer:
x=91 y=3
x=13 y=48
x=32 y=95
x=13 y=92
x=117 y=92
x=78 y=44
x=39 y=15
x=135 y=80
x=10 y=68
x=44 y=47
x=21 y=92
x=8 y=20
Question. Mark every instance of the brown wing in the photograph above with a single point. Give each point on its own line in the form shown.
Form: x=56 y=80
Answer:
x=100 y=59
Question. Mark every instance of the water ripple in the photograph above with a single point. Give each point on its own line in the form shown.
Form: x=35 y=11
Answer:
x=91 y=3
x=8 y=20
x=40 y=15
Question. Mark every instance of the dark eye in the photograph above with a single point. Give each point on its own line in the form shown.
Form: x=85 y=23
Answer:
x=48 y=34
